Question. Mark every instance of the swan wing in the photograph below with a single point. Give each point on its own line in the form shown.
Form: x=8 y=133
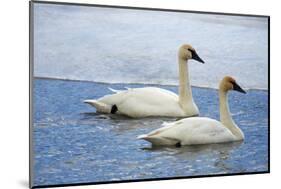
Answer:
x=160 y=136
x=191 y=131
x=205 y=132
x=166 y=127
x=148 y=101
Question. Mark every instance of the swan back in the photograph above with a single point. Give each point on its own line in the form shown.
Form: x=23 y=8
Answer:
x=143 y=102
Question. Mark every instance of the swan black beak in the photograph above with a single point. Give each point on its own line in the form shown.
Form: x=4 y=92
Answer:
x=236 y=87
x=195 y=56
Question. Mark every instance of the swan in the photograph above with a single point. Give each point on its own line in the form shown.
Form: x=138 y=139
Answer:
x=153 y=101
x=201 y=130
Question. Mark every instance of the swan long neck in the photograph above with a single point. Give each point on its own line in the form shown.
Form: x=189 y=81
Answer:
x=185 y=93
x=226 y=118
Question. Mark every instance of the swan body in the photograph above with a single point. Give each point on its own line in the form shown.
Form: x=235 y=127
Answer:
x=153 y=101
x=144 y=102
x=190 y=131
x=200 y=130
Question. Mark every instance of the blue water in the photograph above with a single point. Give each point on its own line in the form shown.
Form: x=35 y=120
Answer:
x=73 y=144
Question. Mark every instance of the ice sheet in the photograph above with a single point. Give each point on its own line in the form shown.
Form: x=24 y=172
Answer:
x=137 y=46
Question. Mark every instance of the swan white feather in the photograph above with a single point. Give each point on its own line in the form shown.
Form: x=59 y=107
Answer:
x=200 y=130
x=136 y=103
x=194 y=130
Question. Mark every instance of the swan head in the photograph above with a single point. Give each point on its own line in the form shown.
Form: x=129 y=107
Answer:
x=229 y=83
x=188 y=52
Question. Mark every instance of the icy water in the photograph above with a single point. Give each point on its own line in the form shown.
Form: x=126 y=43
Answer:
x=73 y=144
x=138 y=46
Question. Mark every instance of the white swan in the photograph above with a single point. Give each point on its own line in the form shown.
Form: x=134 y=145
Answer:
x=152 y=101
x=201 y=130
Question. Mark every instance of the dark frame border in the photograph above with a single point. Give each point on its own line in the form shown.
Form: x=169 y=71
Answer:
x=31 y=63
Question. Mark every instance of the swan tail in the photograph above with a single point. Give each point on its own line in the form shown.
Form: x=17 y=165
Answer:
x=100 y=107
x=142 y=137
x=158 y=141
x=152 y=139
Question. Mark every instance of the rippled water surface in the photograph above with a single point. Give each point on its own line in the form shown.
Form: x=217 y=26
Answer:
x=73 y=144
